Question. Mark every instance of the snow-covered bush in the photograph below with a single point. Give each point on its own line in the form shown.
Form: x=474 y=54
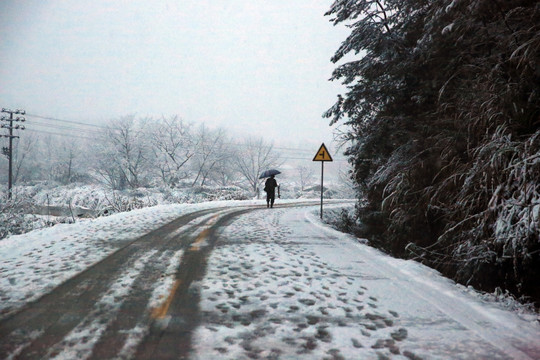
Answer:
x=127 y=200
x=13 y=217
x=342 y=219
x=205 y=193
x=502 y=235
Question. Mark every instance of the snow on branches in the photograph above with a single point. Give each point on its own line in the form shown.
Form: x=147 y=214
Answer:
x=443 y=107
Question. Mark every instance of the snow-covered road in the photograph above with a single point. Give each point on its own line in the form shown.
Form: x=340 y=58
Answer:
x=235 y=282
x=281 y=285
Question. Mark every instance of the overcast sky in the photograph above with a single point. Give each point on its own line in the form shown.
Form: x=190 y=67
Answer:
x=257 y=67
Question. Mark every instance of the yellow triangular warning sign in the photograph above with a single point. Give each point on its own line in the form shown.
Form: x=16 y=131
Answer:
x=322 y=154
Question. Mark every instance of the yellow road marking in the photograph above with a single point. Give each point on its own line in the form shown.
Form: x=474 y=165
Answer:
x=161 y=311
x=196 y=246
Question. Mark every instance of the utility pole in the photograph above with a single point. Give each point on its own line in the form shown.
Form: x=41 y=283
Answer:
x=9 y=150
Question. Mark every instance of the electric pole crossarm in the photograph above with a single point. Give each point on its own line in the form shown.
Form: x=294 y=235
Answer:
x=5 y=126
x=18 y=111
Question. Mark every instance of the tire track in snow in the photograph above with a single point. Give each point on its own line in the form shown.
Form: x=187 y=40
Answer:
x=58 y=312
x=153 y=293
x=127 y=330
x=79 y=343
x=170 y=333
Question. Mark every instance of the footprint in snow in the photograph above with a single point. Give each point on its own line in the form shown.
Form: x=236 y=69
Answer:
x=399 y=335
x=323 y=335
x=356 y=343
x=390 y=344
x=308 y=302
x=293 y=308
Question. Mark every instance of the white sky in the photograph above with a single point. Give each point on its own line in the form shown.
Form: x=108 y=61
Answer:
x=253 y=67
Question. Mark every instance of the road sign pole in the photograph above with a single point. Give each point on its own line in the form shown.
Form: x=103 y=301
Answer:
x=322 y=182
x=322 y=155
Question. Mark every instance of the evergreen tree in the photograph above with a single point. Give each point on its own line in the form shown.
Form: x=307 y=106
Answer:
x=443 y=109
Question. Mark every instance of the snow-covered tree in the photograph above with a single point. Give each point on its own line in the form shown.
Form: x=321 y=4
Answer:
x=123 y=154
x=255 y=156
x=69 y=163
x=442 y=105
x=24 y=158
x=306 y=176
x=173 y=146
x=225 y=172
x=211 y=152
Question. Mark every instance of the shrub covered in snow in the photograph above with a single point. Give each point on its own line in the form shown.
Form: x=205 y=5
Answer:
x=13 y=217
x=342 y=219
x=17 y=216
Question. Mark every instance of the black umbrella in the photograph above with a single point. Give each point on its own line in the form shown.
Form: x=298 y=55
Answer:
x=269 y=173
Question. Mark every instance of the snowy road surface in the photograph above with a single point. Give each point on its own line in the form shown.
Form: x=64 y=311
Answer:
x=232 y=281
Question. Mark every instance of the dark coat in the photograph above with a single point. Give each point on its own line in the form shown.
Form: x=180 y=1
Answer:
x=270 y=185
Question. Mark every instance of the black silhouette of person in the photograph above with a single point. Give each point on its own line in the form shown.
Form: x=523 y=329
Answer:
x=270 y=187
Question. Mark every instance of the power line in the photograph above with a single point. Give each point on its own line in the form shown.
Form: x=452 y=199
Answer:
x=277 y=147
x=66 y=121
x=69 y=128
x=300 y=158
x=72 y=128
x=60 y=134
x=90 y=138
x=109 y=128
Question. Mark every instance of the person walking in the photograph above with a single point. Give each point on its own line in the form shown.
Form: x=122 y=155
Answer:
x=270 y=187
